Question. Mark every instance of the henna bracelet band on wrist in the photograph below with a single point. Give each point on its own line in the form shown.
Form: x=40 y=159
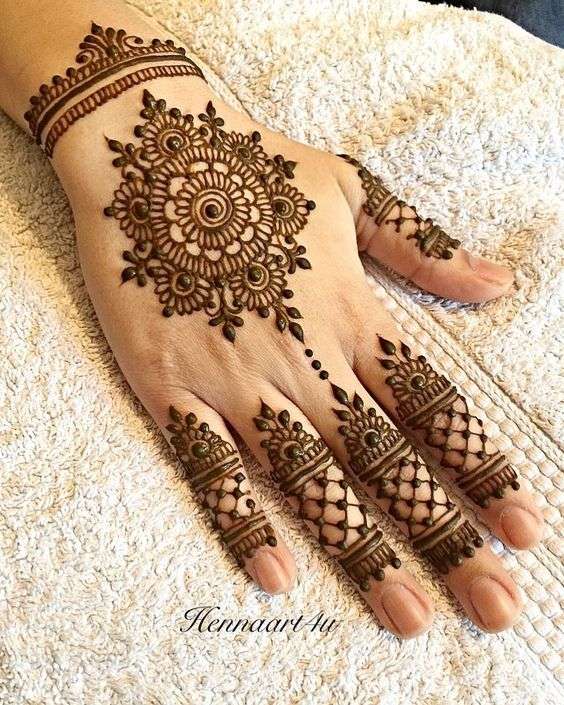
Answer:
x=103 y=53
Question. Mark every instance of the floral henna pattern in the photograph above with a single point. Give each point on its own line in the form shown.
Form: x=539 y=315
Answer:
x=430 y=404
x=213 y=218
x=314 y=483
x=215 y=471
x=385 y=208
x=383 y=460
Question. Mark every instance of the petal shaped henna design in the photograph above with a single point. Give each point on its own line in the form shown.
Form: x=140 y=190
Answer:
x=102 y=53
x=214 y=469
x=429 y=403
x=213 y=218
x=384 y=207
x=380 y=457
x=314 y=482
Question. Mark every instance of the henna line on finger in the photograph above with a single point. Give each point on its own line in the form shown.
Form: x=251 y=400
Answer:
x=430 y=404
x=215 y=471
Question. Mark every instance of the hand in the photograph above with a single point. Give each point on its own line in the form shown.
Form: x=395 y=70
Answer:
x=222 y=260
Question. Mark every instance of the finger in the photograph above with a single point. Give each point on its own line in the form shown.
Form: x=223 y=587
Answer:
x=392 y=232
x=445 y=423
x=213 y=465
x=317 y=490
x=396 y=477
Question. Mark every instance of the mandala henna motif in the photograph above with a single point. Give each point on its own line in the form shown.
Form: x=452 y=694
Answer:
x=215 y=471
x=213 y=218
x=102 y=54
x=385 y=208
x=382 y=459
x=429 y=403
x=314 y=483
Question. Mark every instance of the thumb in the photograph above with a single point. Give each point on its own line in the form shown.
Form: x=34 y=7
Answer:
x=392 y=232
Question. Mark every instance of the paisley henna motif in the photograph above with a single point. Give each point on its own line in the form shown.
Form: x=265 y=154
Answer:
x=382 y=459
x=102 y=54
x=385 y=208
x=314 y=483
x=216 y=473
x=213 y=218
x=430 y=404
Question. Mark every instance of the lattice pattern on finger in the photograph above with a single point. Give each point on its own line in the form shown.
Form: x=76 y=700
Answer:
x=387 y=209
x=214 y=469
x=383 y=460
x=429 y=403
x=316 y=487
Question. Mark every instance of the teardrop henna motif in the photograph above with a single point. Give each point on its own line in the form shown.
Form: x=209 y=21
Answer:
x=215 y=217
x=385 y=208
x=380 y=457
x=313 y=480
x=215 y=471
x=429 y=403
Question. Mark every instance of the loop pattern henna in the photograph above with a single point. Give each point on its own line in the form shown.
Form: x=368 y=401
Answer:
x=214 y=469
x=213 y=218
x=429 y=403
x=102 y=54
x=380 y=457
x=385 y=208
x=314 y=483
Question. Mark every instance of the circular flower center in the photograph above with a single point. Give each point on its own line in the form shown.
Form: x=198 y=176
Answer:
x=257 y=276
x=172 y=142
x=244 y=153
x=372 y=438
x=293 y=451
x=200 y=449
x=212 y=208
x=140 y=209
x=282 y=207
x=417 y=381
x=184 y=281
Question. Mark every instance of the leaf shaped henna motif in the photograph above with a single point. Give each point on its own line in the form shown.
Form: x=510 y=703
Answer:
x=214 y=469
x=380 y=457
x=213 y=217
x=385 y=208
x=429 y=403
x=313 y=481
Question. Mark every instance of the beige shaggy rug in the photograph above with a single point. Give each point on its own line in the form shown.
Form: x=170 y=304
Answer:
x=103 y=549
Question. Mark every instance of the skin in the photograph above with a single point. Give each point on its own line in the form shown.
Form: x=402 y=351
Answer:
x=185 y=362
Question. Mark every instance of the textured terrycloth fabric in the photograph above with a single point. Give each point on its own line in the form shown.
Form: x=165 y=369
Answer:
x=103 y=548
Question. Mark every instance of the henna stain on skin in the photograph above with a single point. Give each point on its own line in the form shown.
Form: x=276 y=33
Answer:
x=102 y=54
x=216 y=473
x=382 y=459
x=385 y=208
x=429 y=403
x=314 y=482
x=213 y=217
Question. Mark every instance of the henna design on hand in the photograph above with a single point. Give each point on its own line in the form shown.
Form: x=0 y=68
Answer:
x=102 y=53
x=429 y=403
x=380 y=457
x=385 y=208
x=215 y=471
x=214 y=218
x=314 y=483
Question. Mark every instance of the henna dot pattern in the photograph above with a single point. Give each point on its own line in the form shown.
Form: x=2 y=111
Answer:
x=430 y=404
x=314 y=483
x=385 y=209
x=384 y=461
x=213 y=218
x=214 y=469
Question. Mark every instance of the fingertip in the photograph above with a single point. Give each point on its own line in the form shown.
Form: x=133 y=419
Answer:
x=492 y=279
x=273 y=568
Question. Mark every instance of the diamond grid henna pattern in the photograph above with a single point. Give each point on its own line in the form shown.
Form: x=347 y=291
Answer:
x=314 y=483
x=429 y=403
x=214 y=219
x=215 y=471
x=382 y=459
x=385 y=208
x=102 y=53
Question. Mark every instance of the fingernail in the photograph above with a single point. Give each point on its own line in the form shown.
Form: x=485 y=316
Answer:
x=490 y=271
x=493 y=604
x=404 y=610
x=269 y=573
x=522 y=528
